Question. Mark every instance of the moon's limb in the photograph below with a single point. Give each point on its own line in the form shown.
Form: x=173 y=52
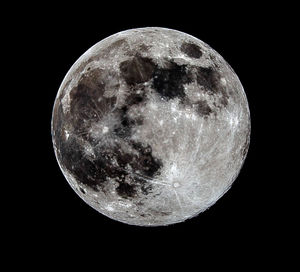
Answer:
x=151 y=126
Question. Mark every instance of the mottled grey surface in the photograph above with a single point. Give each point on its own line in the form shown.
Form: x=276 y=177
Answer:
x=151 y=126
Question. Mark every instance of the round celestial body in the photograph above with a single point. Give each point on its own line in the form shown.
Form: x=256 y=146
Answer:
x=151 y=126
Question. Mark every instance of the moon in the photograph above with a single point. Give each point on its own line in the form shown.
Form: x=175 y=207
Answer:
x=151 y=126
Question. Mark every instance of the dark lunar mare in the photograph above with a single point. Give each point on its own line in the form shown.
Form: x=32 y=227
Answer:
x=209 y=78
x=85 y=106
x=95 y=171
x=168 y=82
x=137 y=69
x=203 y=108
x=136 y=96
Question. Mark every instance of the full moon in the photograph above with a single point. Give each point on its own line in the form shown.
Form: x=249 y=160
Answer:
x=150 y=126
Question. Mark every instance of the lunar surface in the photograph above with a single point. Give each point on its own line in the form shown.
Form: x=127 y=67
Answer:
x=151 y=126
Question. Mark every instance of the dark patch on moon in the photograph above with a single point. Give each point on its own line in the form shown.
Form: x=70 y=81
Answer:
x=126 y=190
x=192 y=50
x=203 y=108
x=143 y=164
x=214 y=61
x=109 y=162
x=136 y=95
x=86 y=171
x=123 y=129
x=137 y=70
x=82 y=106
x=144 y=48
x=146 y=188
x=143 y=149
x=149 y=164
x=209 y=78
x=89 y=172
x=168 y=82
x=224 y=98
x=85 y=103
x=94 y=173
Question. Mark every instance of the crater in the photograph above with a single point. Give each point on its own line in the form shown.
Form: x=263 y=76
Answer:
x=176 y=184
x=191 y=50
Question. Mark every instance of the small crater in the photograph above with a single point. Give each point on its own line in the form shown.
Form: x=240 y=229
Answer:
x=81 y=190
x=192 y=50
x=176 y=184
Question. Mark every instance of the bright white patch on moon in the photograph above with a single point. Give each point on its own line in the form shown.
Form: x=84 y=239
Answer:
x=151 y=126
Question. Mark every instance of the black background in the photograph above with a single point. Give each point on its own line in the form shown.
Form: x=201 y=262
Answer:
x=243 y=224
